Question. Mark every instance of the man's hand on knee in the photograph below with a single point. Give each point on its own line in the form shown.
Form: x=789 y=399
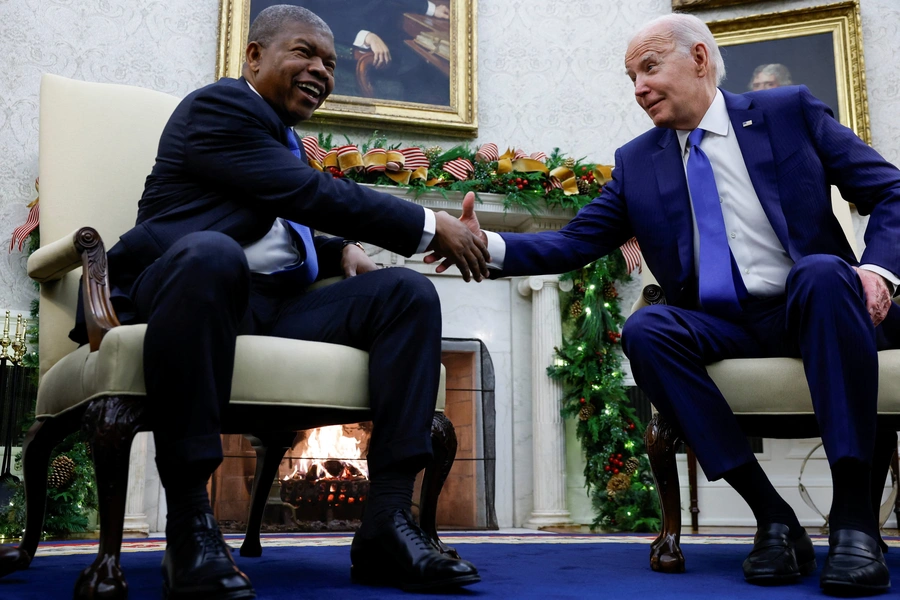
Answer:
x=878 y=297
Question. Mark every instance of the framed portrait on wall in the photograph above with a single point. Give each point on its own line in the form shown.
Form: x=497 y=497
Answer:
x=819 y=47
x=402 y=64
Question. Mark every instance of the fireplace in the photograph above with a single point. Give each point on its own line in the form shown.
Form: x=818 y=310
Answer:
x=322 y=483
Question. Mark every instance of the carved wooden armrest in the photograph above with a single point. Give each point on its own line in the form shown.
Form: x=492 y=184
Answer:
x=651 y=294
x=83 y=248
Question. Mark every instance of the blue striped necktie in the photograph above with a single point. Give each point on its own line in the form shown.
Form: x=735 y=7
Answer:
x=309 y=269
x=718 y=292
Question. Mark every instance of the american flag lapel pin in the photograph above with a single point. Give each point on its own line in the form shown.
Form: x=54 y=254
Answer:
x=747 y=123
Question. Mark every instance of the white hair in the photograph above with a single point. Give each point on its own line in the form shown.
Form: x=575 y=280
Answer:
x=686 y=31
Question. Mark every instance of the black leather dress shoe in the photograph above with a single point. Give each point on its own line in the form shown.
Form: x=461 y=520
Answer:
x=198 y=564
x=855 y=565
x=399 y=554
x=776 y=558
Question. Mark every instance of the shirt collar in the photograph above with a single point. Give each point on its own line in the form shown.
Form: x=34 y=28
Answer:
x=253 y=88
x=714 y=121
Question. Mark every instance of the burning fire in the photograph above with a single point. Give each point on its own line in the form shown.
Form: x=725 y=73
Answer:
x=330 y=454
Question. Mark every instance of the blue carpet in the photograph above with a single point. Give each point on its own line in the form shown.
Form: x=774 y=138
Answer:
x=520 y=570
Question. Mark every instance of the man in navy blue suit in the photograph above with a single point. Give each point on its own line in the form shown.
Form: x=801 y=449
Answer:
x=223 y=246
x=729 y=198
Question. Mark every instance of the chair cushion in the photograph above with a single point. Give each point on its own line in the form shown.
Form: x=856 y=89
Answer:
x=761 y=386
x=268 y=370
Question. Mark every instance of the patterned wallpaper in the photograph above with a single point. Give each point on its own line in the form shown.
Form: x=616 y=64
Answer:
x=550 y=74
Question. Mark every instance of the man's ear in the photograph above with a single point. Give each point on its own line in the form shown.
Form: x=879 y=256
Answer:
x=700 y=56
x=253 y=55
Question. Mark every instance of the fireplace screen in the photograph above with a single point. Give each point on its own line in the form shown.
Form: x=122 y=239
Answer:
x=323 y=483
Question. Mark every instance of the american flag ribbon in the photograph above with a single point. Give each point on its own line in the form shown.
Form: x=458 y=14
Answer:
x=312 y=148
x=632 y=253
x=22 y=232
x=415 y=158
x=460 y=168
x=488 y=153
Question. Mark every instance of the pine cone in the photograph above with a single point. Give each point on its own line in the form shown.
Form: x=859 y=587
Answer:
x=576 y=309
x=584 y=187
x=62 y=471
x=618 y=483
x=609 y=290
x=432 y=153
x=631 y=465
x=587 y=410
x=569 y=163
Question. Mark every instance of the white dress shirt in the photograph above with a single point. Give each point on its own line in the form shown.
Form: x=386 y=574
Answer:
x=276 y=250
x=763 y=261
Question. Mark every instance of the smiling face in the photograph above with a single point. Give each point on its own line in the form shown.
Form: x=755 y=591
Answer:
x=295 y=72
x=674 y=88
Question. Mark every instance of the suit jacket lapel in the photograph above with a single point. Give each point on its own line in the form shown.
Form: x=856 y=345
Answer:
x=669 y=168
x=756 y=147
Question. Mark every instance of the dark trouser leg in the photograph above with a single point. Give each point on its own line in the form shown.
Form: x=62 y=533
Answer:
x=193 y=300
x=393 y=314
x=827 y=313
x=669 y=348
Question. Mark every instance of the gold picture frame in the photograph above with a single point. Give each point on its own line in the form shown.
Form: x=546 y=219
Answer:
x=823 y=44
x=458 y=117
x=688 y=5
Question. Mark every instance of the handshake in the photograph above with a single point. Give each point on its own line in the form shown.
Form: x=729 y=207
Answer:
x=460 y=242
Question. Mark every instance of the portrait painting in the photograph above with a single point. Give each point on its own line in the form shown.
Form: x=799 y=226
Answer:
x=818 y=47
x=403 y=64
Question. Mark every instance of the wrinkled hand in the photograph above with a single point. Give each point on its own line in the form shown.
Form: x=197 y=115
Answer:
x=356 y=262
x=878 y=297
x=474 y=259
x=379 y=49
x=442 y=11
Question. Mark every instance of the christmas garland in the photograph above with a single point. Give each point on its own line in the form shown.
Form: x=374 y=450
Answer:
x=617 y=471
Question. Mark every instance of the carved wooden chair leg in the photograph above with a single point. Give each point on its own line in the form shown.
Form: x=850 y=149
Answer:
x=443 y=441
x=42 y=437
x=665 y=551
x=110 y=424
x=270 y=449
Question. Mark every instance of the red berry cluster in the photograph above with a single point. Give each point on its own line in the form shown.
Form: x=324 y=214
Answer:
x=629 y=427
x=613 y=336
x=335 y=171
x=589 y=177
x=615 y=461
x=520 y=183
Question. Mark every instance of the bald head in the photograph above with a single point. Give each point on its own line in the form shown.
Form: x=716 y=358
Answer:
x=685 y=31
x=675 y=65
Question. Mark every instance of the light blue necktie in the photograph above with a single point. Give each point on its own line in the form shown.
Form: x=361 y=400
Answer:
x=309 y=269
x=718 y=292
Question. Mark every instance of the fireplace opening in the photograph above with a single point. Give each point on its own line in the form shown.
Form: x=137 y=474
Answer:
x=322 y=482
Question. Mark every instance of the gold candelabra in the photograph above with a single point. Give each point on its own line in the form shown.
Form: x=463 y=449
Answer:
x=13 y=349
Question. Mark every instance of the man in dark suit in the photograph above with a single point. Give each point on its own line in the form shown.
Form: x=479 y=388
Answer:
x=729 y=198
x=223 y=246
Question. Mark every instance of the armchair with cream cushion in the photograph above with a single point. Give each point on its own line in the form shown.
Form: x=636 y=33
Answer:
x=770 y=398
x=97 y=145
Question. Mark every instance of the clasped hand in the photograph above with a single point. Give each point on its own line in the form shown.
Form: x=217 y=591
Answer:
x=460 y=242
